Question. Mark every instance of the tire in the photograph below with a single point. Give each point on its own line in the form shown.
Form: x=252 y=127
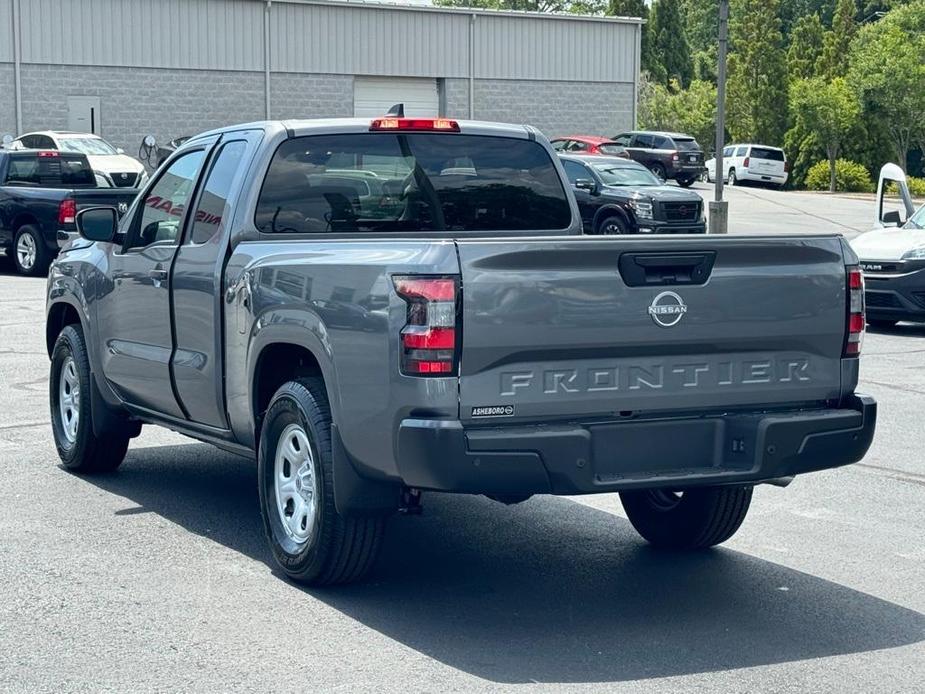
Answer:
x=659 y=170
x=78 y=447
x=693 y=519
x=612 y=226
x=732 y=181
x=881 y=323
x=29 y=253
x=685 y=181
x=311 y=541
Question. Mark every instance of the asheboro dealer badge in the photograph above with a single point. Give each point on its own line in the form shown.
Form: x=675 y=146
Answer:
x=493 y=411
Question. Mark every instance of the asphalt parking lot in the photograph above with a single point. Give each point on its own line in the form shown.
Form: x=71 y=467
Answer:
x=157 y=578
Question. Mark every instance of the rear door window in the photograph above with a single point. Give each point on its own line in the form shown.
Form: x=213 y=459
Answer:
x=390 y=182
x=740 y=152
x=208 y=218
x=767 y=153
x=643 y=141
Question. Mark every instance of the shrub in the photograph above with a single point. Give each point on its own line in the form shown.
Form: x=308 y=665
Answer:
x=850 y=177
x=916 y=187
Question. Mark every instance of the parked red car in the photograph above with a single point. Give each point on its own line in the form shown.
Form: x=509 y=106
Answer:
x=589 y=144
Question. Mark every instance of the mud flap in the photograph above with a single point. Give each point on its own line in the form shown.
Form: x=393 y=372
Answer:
x=355 y=495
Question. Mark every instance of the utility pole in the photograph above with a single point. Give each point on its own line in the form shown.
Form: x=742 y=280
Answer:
x=719 y=208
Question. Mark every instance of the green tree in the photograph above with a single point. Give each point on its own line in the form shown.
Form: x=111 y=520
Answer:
x=887 y=68
x=668 y=40
x=701 y=20
x=792 y=10
x=691 y=110
x=828 y=111
x=756 y=105
x=805 y=47
x=834 y=59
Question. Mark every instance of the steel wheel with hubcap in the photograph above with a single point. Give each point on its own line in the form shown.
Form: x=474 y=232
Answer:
x=311 y=540
x=296 y=484
x=83 y=446
x=612 y=226
x=69 y=400
x=29 y=252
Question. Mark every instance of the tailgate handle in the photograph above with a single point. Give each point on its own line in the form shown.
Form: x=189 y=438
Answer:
x=665 y=269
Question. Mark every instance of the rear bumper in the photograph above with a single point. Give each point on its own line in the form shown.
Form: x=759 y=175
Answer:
x=747 y=175
x=686 y=170
x=606 y=456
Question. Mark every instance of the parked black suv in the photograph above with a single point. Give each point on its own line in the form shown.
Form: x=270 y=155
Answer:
x=616 y=196
x=667 y=155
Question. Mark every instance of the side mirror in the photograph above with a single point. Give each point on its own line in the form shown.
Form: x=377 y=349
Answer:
x=97 y=223
x=586 y=184
x=119 y=150
x=892 y=218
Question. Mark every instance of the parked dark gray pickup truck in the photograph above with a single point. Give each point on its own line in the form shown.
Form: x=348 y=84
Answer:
x=377 y=308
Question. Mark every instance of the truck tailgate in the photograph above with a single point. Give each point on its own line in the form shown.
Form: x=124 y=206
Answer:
x=607 y=326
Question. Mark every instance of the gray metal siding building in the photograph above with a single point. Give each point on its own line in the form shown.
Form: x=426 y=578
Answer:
x=125 y=68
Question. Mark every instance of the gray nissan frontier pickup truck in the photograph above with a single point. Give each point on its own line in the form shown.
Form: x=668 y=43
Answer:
x=371 y=308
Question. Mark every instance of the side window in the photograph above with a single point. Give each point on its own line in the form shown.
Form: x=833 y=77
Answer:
x=740 y=152
x=574 y=171
x=662 y=143
x=623 y=140
x=728 y=152
x=43 y=142
x=579 y=146
x=559 y=145
x=162 y=213
x=643 y=141
x=28 y=141
x=208 y=217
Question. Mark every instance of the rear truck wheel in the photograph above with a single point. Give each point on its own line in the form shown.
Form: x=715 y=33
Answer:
x=80 y=447
x=685 y=181
x=311 y=541
x=29 y=253
x=732 y=180
x=691 y=519
x=611 y=226
x=659 y=170
x=881 y=323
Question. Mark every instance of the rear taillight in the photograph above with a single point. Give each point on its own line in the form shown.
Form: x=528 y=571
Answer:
x=786 y=167
x=855 y=332
x=67 y=211
x=430 y=339
x=745 y=163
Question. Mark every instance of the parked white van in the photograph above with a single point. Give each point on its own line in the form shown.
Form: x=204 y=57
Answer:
x=758 y=163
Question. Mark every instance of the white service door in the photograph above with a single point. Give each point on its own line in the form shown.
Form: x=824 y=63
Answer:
x=374 y=96
x=83 y=114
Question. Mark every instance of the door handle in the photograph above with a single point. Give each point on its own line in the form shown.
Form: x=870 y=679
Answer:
x=158 y=275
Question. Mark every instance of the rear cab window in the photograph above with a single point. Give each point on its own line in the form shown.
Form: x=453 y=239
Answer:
x=49 y=170
x=407 y=182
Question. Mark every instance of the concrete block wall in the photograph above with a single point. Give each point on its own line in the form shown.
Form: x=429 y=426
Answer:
x=138 y=101
x=7 y=100
x=456 y=97
x=296 y=95
x=557 y=108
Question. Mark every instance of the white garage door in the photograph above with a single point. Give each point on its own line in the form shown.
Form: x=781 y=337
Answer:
x=374 y=96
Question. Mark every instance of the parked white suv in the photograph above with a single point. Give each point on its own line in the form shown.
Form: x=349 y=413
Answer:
x=112 y=167
x=758 y=163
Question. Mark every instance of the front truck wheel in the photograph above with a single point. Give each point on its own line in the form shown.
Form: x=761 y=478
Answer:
x=81 y=446
x=692 y=519
x=310 y=540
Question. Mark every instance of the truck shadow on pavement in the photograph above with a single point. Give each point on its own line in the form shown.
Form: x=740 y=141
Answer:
x=547 y=591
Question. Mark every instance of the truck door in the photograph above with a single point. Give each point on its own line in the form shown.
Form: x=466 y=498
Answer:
x=134 y=310
x=197 y=283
